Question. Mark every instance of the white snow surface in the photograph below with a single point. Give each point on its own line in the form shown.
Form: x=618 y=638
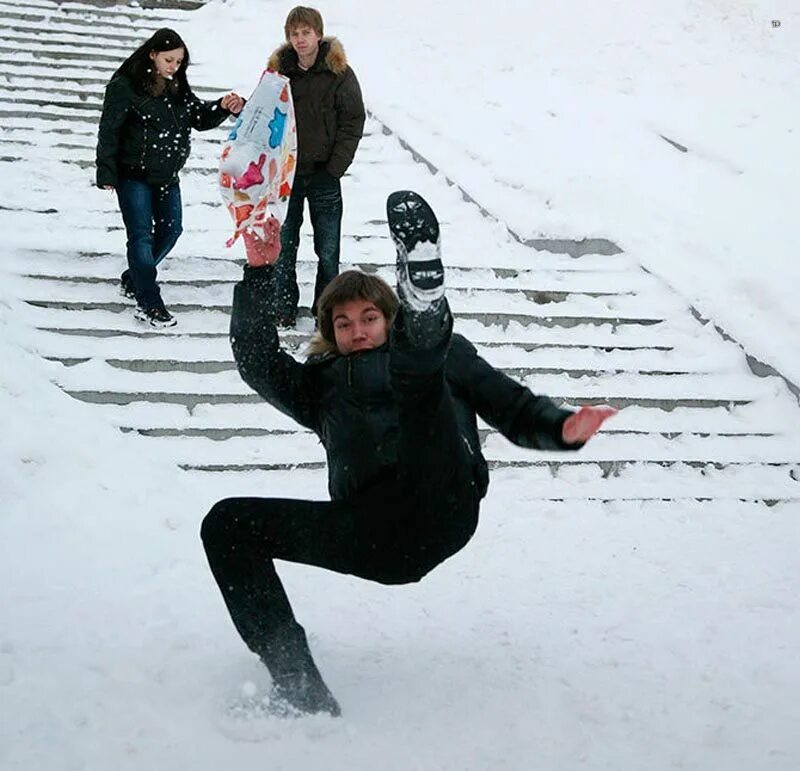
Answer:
x=575 y=635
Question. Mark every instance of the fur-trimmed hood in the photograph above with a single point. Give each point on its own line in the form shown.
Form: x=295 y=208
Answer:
x=319 y=348
x=331 y=57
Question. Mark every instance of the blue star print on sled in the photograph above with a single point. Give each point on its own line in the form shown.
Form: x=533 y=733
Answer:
x=276 y=128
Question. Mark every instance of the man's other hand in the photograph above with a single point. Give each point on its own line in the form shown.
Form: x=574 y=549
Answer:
x=584 y=424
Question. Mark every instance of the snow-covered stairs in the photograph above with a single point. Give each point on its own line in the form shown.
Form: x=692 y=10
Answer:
x=697 y=423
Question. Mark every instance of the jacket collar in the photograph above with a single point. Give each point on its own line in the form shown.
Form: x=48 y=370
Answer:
x=331 y=58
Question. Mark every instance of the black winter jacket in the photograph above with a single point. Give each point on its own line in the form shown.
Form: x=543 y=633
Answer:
x=328 y=107
x=147 y=137
x=347 y=401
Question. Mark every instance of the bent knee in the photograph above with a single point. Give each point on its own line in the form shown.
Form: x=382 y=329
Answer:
x=217 y=521
x=402 y=573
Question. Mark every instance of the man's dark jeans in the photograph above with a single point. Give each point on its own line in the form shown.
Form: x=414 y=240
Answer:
x=324 y=194
x=153 y=221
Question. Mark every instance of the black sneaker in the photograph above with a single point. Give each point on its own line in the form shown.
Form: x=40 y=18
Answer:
x=157 y=316
x=296 y=694
x=415 y=232
x=126 y=286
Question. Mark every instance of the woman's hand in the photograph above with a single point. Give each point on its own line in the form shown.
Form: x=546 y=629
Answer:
x=232 y=102
x=584 y=424
x=108 y=187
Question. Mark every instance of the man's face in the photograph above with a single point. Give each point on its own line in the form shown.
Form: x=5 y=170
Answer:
x=305 y=41
x=358 y=325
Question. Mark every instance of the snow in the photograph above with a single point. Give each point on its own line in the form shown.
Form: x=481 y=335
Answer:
x=579 y=634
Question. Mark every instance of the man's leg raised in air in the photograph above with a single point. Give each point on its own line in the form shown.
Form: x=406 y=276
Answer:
x=433 y=463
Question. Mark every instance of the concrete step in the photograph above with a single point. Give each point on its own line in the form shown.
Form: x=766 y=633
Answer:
x=213 y=325
x=9 y=91
x=219 y=293
x=724 y=387
x=39 y=32
x=293 y=447
x=610 y=468
x=545 y=288
x=212 y=366
x=155 y=9
x=92 y=108
x=113 y=17
x=759 y=417
x=532 y=305
x=215 y=261
x=503 y=319
x=73 y=115
x=192 y=400
x=52 y=55
x=606 y=483
x=62 y=345
x=77 y=82
x=223 y=434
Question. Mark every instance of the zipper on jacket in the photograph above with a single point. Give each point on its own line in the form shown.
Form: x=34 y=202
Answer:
x=144 y=147
x=349 y=372
x=172 y=112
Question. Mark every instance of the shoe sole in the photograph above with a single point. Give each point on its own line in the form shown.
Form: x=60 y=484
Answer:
x=415 y=232
x=140 y=315
x=411 y=220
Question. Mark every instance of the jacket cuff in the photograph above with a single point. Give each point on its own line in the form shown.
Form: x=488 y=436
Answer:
x=257 y=277
x=101 y=180
x=556 y=416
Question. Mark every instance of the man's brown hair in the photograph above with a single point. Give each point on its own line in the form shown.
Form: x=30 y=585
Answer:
x=302 y=15
x=347 y=286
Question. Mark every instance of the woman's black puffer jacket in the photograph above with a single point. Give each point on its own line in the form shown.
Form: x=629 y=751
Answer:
x=147 y=136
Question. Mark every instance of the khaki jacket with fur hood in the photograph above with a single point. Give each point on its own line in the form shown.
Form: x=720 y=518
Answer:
x=328 y=107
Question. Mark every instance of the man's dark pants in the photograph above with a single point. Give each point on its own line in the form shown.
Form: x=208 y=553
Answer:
x=323 y=192
x=393 y=533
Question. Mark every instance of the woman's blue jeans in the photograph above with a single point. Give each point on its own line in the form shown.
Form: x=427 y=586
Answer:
x=153 y=221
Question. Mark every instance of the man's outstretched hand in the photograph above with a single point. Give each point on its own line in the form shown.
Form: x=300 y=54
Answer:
x=263 y=251
x=584 y=424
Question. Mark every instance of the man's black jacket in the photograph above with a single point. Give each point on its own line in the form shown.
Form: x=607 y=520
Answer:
x=348 y=401
x=148 y=137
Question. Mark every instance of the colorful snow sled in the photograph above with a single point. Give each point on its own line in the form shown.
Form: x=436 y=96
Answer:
x=258 y=162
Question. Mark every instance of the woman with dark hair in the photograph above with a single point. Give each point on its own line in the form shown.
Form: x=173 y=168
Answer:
x=142 y=143
x=393 y=395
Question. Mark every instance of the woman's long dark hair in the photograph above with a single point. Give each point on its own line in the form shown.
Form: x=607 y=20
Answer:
x=139 y=67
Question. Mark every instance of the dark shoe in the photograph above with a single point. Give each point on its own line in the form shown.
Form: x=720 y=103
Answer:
x=303 y=693
x=126 y=286
x=415 y=232
x=297 y=685
x=424 y=321
x=157 y=316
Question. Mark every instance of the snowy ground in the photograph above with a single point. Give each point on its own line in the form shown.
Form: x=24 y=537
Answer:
x=579 y=635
